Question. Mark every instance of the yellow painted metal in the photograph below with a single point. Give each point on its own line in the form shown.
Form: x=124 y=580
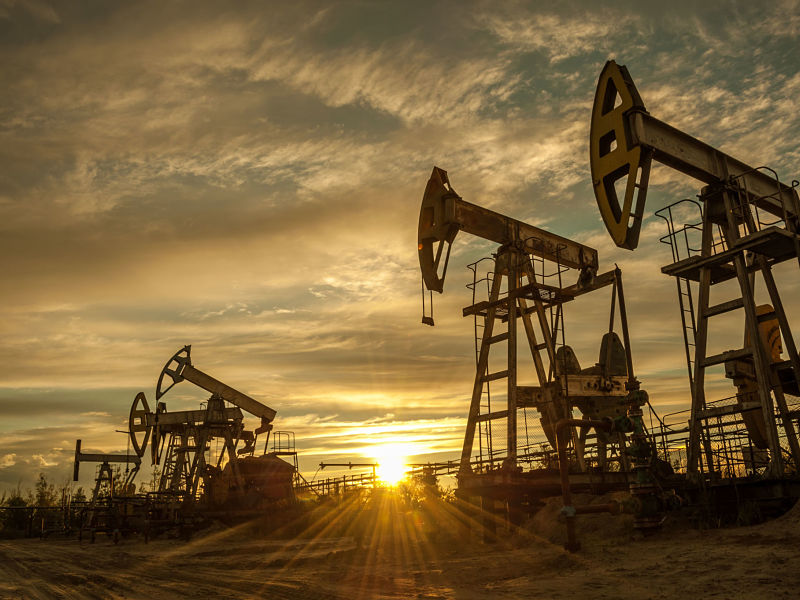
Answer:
x=614 y=156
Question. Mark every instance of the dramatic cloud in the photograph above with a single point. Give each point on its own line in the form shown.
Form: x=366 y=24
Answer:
x=247 y=180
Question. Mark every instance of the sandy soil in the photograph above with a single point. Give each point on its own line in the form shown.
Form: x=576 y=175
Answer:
x=382 y=550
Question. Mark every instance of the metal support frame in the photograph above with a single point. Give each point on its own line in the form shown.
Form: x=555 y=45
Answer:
x=512 y=264
x=515 y=292
x=98 y=506
x=105 y=461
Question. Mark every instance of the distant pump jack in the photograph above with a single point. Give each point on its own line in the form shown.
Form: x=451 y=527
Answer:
x=180 y=440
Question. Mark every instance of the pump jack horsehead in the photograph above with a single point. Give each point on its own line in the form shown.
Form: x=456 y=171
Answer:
x=624 y=140
x=604 y=391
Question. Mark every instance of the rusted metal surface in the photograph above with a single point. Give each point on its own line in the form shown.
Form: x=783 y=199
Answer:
x=443 y=214
x=258 y=482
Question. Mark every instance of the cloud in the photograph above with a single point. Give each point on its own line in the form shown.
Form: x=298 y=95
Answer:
x=38 y=9
x=249 y=181
x=558 y=35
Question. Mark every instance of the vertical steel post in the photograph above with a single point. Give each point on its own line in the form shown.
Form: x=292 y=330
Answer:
x=701 y=339
x=760 y=361
x=513 y=258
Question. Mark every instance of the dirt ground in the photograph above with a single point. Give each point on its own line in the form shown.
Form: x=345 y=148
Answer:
x=381 y=549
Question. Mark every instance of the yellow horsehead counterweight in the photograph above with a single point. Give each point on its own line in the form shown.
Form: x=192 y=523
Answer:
x=613 y=156
x=624 y=139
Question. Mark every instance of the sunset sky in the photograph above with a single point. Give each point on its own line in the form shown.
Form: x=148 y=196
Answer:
x=246 y=178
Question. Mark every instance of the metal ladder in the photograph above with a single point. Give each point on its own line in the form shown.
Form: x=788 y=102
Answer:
x=508 y=306
x=485 y=437
x=678 y=239
x=744 y=249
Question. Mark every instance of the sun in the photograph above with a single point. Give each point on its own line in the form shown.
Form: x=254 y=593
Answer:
x=391 y=464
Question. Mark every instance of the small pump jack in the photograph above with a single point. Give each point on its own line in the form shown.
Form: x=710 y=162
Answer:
x=180 y=439
x=104 y=480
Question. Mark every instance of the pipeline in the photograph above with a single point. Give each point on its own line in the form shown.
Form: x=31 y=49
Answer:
x=569 y=511
x=647 y=503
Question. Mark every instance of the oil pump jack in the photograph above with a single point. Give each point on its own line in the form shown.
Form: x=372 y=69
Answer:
x=105 y=474
x=181 y=443
x=602 y=393
x=105 y=511
x=747 y=223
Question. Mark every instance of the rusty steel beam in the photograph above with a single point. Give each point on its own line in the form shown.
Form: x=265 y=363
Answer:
x=443 y=214
x=226 y=392
x=705 y=163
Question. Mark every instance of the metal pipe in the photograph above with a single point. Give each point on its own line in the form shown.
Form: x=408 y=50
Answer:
x=623 y=316
x=568 y=510
x=609 y=345
x=612 y=507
